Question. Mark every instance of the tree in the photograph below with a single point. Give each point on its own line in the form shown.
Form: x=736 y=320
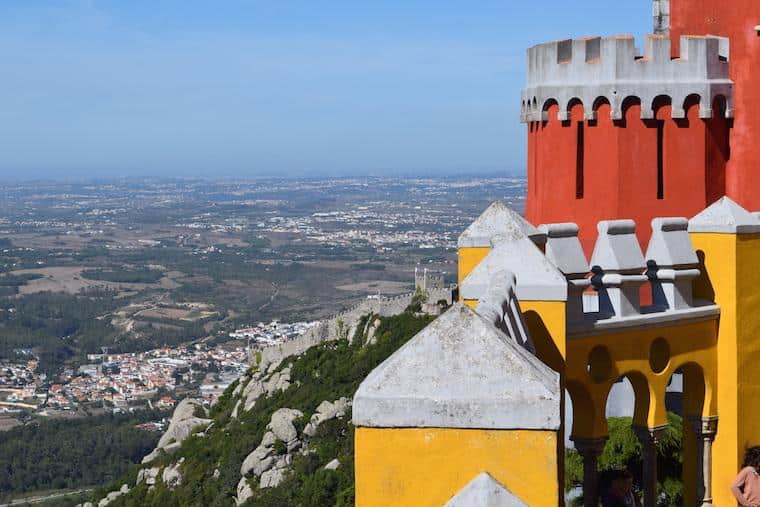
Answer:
x=623 y=450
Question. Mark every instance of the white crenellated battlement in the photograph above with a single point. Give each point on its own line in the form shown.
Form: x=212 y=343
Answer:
x=604 y=292
x=597 y=70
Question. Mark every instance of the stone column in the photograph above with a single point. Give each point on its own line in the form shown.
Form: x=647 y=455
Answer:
x=648 y=438
x=705 y=429
x=590 y=449
x=661 y=17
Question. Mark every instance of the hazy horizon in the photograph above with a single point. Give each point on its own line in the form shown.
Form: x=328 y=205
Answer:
x=111 y=178
x=251 y=89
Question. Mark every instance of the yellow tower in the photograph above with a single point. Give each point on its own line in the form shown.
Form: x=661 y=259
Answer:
x=727 y=240
x=502 y=239
x=448 y=407
x=497 y=221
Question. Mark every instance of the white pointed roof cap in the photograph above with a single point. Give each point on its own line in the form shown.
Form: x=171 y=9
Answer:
x=670 y=244
x=725 y=216
x=460 y=372
x=498 y=220
x=537 y=278
x=485 y=491
x=563 y=248
x=617 y=249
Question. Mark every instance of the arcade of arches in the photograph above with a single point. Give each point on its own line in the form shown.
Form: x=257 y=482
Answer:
x=647 y=358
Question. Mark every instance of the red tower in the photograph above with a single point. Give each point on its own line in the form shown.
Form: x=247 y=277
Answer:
x=738 y=21
x=614 y=134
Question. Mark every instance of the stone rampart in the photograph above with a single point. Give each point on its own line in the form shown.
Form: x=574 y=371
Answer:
x=343 y=324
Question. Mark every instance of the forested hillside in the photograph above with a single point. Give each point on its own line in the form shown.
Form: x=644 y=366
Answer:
x=247 y=445
x=71 y=453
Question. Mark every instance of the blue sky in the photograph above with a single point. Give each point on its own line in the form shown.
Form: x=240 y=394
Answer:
x=282 y=87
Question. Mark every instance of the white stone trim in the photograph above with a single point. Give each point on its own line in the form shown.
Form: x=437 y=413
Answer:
x=485 y=491
x=725 y=216
x=588 y=69
x=537 y=278
x=498 y=221
x=460 y=372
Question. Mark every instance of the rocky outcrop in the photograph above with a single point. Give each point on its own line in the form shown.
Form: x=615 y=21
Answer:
x=244 y=492
x=258 y=462
x=287 y=436
x=113 y=495
x=270 y=467
x=261 y=384
x=325 y=412
x=272 y=478
x=264 y=457
x=148 y=475
x=182 y=424
x=338 y=326
x=371 y=330
x=241 y=384
x=282 y=426
x=172 y=475
x=236 y=409
x=333 y=465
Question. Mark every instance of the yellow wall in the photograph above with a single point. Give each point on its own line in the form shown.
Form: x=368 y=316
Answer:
x=546 y=324
x=629 y=350
x=420 y=467
x=733 y=268
x=469 y=258
x=547 y=321
x=692 y=349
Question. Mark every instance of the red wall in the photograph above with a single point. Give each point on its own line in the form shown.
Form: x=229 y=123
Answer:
x=620 y=167
x=736 y=20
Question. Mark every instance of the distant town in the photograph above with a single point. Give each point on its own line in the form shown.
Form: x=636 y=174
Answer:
x=122 y=382
x=131 y=294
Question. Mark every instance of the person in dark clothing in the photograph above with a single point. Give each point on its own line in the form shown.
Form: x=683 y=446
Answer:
x=618 y=490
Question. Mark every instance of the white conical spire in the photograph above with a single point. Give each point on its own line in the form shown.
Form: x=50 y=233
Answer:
x=460 y=372
x=498 y=220
x=537 y=278
x=670 y=244
x=725 y=216
x=485 y=491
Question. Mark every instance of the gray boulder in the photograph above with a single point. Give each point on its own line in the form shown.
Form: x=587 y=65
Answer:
x=251 y=393
x=172 y=475
x=325 y=412
x=371 y=338
x=258 y=462
x=241 y=385
x=283 y=461
x=282 y=426
x=244 y=492
x=333 y=465
x=113 y=495
x=181 y=426
x=148 y=475
x=269 y=439
x=272 y=478
x=236 y=409
x=277 y=381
